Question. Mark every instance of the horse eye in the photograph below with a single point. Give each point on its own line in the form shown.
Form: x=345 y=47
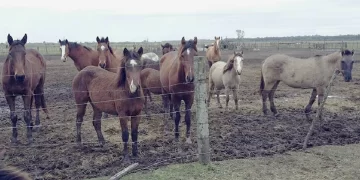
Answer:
x=342 y=61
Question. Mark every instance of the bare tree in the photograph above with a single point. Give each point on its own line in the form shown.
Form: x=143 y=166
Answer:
x=240 y=34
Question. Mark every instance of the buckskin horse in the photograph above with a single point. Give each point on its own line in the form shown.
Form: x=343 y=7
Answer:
x=311 y=73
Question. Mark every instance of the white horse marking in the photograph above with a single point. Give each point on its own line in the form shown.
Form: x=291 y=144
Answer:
x=132 y=86
x=102 y=47
x=62 y=47
x=188 y=51
x=133 y=62
x=239 y=63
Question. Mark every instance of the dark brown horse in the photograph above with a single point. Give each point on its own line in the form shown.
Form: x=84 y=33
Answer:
x=81 y=55
x=176 y=77
x=24 y=74
x=150 y=82
x=167 y=48
x=113 y=93
x=11 y=173
x=107 y=58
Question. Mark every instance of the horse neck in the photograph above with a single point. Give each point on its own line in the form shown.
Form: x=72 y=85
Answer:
x=333 y=60
x=180 y=71
x=76 y=53
x=216 y=48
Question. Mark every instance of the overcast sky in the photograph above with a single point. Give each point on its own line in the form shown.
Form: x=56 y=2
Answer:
x=157 y=20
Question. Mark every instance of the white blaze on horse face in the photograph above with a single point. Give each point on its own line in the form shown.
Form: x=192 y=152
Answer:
x=217 y=43
x=188 y=51
x=62 y=47
x=102 y=47
x=132 y=86
x=133 y=62
x=239 y=64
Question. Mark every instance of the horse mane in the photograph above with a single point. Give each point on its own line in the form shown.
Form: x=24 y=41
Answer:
x=102 y=40
x=13 y=173
x=230 y=63
x=121 y=78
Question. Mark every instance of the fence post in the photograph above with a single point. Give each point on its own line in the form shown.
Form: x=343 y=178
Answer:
x=201 y=110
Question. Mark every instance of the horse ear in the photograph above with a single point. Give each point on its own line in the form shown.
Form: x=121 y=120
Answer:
x=24 y=39
x=126 y=52
x=183 y=42
x=140 y=51
x=59 y=41
x=162 y=46
x=66 y=41
x=195 y=40
x=107 y=40
x=241 y=52
x=97 y=39
x=352 y=52
x=342 y=52
x=10 y=39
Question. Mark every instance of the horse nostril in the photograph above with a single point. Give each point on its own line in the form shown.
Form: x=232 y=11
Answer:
x=20 y=78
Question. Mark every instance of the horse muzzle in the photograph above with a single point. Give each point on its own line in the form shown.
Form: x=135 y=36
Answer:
x=238 y=72
x=102 y=65
x=190 y=79
x=63 y=59
x=19 y=78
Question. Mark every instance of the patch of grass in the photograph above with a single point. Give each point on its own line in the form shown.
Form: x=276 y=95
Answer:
x=326 y=162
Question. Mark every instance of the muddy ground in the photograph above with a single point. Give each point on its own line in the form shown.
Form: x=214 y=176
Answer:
x=235 y=134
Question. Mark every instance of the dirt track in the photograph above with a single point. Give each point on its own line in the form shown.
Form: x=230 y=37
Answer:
x=234 y=134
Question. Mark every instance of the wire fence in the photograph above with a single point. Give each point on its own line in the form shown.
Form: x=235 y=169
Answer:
x=54 y=48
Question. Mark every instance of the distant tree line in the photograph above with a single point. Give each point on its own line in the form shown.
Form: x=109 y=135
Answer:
x=305 y=38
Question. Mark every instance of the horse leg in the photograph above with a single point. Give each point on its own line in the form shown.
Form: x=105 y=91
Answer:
x=145 y=108
x=311 y=102
x=218 y=98
x=211 y=88
x=171 y=108
x=37 y=98
x=320 y=93
x=97 y=125
x=271 y=98
x=188 y=103
x=125 y=135
x=236 y=100
x=165 y=100
x=176 y=102
x=81 y=109
x=135 y=120
x=11 y=102
x=227 y=92
x=27 y=115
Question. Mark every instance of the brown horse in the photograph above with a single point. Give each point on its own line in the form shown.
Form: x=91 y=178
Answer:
x=81 y=55
x=113 y=93
x=24 y=74
x=150 y=82
x=311 y=73
x=213 y=53
x=176 y=77
x=107 y=59
x=167 y=48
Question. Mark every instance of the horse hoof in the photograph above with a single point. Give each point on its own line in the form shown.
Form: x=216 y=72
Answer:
x=14 y=141
x=188 y=141
x=36 y=128
x=126 y=159
x=277 y=115
x=30 y=141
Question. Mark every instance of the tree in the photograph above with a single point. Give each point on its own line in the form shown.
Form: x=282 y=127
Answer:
x=240 y=34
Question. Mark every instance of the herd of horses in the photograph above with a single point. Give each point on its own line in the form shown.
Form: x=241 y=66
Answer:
x=118 y=82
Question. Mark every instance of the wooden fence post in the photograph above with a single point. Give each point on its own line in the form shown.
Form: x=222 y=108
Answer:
x=201 y=110
x=320 y=109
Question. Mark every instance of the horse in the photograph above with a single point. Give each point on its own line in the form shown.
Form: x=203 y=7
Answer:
x=226 y=75
x=11 y=173
x=150 y=82
x=149 y=63
x=24 y=74
x=311 y=73
x=213 y=52
x=81 y=55
x=176 y=77
x=107 y=58
x=113 y=93
x=167 y=47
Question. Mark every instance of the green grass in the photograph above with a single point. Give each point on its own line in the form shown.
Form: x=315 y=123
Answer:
x=326 y=162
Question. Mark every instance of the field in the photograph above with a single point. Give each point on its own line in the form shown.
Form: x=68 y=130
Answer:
x=233 y=135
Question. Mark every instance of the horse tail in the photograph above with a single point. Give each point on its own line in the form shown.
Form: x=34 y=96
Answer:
x=262 y=83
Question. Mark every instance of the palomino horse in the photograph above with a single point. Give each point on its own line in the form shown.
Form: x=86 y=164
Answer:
x=150 y=82
x=24 y=74
x=213 y=53
x=176 y=77
x=166 y=48
x=81 y=55
x=311 y=73
x=107 y=58
x=226 y=75
x=113 y=93
x=11 y=173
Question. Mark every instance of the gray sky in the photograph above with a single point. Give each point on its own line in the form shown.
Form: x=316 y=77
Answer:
x=157 y=20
